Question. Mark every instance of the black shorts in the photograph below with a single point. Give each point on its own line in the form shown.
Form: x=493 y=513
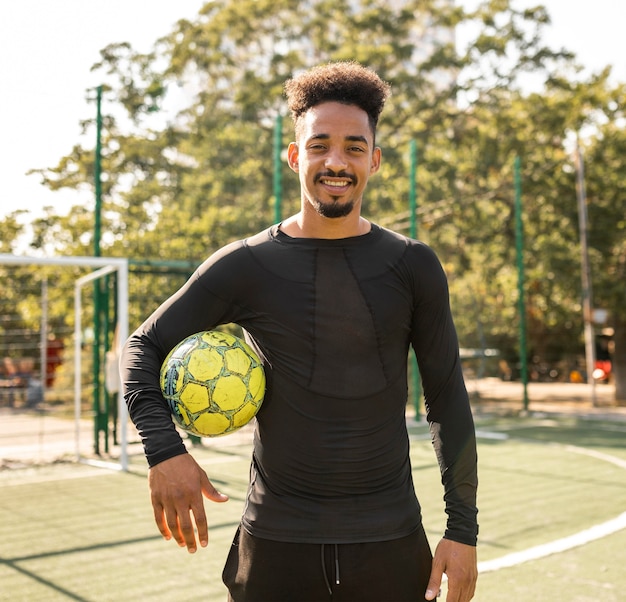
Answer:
x=261 y=570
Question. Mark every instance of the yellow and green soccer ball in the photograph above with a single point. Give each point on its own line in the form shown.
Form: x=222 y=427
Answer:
x=214 y=383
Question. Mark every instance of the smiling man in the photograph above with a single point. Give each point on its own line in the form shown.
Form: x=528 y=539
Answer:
x=332 y=303
x=333 y=162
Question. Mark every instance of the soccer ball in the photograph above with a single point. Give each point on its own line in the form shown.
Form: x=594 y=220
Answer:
x=214 y=383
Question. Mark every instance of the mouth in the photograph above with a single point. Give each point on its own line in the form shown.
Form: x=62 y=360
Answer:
x=336 y=184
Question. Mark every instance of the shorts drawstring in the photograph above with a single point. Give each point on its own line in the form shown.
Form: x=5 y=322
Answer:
x=323 y=560
x=330 y=590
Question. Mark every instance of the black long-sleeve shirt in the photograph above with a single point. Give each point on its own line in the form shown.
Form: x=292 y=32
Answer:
x=332 y=321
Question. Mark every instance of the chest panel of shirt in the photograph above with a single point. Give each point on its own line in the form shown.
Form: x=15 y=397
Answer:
x=326 y=315
x=347 y=358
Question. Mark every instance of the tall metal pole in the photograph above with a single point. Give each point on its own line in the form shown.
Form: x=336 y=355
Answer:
x=519 y=252
x=278 y=180
x=97 y=171
x=97 y=234
x=585 y=271
x=415 y=373
x=43 y=337
x=413 y=189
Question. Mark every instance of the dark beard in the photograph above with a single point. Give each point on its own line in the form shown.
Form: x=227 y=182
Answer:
x=333 y=210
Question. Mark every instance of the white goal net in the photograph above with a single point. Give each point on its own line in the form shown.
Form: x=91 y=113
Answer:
x=47 y=359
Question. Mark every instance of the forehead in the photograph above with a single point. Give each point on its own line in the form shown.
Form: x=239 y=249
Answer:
x=335 y=119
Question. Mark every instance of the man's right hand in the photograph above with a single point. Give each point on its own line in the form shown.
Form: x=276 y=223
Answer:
x=176 y=489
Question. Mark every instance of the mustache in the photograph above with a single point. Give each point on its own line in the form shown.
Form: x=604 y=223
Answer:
x=331 y=174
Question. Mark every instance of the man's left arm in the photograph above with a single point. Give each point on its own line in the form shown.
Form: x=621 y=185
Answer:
x=455 y=446
x=436 y=344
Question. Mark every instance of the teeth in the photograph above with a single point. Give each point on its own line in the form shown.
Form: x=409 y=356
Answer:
x=335 y=184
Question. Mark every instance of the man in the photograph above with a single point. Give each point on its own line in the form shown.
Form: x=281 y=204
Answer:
x=331 y=303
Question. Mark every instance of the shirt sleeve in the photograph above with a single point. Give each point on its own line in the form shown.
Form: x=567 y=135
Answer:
x=191 y=309
x=446 y=400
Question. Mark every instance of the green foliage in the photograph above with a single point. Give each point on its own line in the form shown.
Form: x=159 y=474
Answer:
x=180 y=187
x=11 y=229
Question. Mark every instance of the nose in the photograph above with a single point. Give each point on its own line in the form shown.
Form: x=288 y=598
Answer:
x=335 y=160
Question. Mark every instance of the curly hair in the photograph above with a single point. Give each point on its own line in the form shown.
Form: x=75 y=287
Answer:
x=346 y=82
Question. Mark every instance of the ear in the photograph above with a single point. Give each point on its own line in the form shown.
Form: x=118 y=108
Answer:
x=292 y=156
x=376 y=159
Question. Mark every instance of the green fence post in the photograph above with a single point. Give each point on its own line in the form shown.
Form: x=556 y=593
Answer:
x=521 y=305
x=278 y=180
x=415 y=373
x=97 y=294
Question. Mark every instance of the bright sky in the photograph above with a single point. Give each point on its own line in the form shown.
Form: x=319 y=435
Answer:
x=48 y=47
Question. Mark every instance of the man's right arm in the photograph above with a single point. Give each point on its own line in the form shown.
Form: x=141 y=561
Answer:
x=191 y=309
x=177 y=483
x=140 y=366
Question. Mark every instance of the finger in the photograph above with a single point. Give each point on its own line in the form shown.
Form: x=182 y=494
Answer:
x=456 y=595
x=209 y=490
x=173 y=526
x=186 y=529
x=193 y=525
x=159 y=519
x=199 y=512
x=214 y=495
x=434 y=583
x=177 y=519
x=199 y=517
x=433 y=589
x=464 y=593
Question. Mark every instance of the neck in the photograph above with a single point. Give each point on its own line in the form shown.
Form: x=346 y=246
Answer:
x=301 y=226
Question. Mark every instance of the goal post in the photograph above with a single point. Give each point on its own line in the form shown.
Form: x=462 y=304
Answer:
x=101 y=266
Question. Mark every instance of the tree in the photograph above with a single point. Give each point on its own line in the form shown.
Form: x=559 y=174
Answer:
x=606 y=194
x=180 y=187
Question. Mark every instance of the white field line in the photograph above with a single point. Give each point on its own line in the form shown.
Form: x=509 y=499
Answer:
x=599 y=455
x=556 y=546
x=491 y=435
x=566 y=543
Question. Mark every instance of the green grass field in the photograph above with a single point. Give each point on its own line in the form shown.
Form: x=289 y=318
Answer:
x=75 y=532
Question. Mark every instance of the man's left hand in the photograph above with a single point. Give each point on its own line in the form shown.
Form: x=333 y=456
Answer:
x=458 y=561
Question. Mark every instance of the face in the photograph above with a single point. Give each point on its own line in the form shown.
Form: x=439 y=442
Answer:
x=334 y=158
